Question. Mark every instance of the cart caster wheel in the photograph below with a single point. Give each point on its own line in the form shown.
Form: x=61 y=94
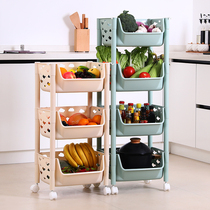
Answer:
x=147 y=181
x=107 y=191
x=114 y=190
x=53 y=195
x=87 y=186
x=166 y=186
x=96 y=184
x=34 y=188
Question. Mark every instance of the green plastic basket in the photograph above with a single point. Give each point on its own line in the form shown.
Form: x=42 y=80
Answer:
x=139 y=84
x=156 y=172
x=139 y=129
x=131 y=38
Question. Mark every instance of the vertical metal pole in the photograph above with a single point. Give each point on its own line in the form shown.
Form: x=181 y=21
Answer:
x=113 y=102
x=89 y=99
x=37 y=127
x=166 y=99
x=150 y=100
x=52 y=125
x=106 y=129
x=99 y=42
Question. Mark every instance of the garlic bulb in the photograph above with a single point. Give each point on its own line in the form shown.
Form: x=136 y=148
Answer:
x=141 y=29
x=156 y=30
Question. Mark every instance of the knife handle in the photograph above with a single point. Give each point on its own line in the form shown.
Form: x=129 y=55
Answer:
x=86 y=23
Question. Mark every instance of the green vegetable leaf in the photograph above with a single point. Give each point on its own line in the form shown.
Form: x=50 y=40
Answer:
x=138 y=57
x=103 y=53
x=118 y=54
x=123 y=60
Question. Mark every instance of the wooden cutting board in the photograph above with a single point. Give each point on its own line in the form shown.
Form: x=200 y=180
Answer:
x=75 y=20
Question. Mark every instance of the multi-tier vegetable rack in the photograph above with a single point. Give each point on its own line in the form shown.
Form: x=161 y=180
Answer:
x=110 y=33
x=48 y=123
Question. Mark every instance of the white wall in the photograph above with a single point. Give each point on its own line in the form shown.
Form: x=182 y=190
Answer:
x=46 y=22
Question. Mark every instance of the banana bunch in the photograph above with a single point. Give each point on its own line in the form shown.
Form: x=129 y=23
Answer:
x=80 y=155
x=82 y=68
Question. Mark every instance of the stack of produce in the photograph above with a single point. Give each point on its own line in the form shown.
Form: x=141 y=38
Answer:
x=141 y=62
x=80 y=157
x=129 y=24
x=80 y=119
x=81 y=72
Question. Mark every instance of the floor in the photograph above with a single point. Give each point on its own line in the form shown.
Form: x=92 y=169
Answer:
x=189 y=181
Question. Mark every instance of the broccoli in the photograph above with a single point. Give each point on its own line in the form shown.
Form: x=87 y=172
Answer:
x=128 y=22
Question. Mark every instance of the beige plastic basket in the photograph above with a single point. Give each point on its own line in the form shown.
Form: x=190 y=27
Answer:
x=72 y=178
x=71 y=85
x=72 y=132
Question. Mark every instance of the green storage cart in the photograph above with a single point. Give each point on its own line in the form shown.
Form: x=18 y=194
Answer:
x=110 y=33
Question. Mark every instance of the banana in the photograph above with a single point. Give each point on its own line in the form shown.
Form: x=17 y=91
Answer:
x=82 y=155
x=68 y=156
x=92 y=154
x=87 y=154
x=74 y=154
x=81 y=68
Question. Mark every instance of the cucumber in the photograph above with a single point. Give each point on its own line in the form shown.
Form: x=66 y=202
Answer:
x=144 y=69
x=155 y=70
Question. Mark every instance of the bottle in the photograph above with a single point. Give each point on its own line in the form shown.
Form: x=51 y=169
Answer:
x=131 y=109
x=151 y=116
x=202 y=30
x=206 y=29
x=138 y=108
x=143 y=118
x=122 y=110
x=136 y=117
x=146 y=105
x=128 y=117
x=209 y=31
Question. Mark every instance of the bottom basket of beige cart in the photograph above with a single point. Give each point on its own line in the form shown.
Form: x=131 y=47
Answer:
x=67 y=179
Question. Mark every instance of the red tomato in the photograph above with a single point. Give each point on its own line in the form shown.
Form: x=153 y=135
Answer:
x=144 y=75
x=128 y=71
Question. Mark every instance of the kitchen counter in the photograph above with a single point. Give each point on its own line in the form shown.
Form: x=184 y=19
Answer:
x=182 y=55
x=66 y=55
x=56 y=56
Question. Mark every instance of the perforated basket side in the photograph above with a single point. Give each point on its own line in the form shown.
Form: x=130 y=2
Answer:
x=44 y=168
x=44 y=121
x=106 y=30
x=44 y=75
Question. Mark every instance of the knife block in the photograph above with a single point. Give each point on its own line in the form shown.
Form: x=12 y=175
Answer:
x=81 y=40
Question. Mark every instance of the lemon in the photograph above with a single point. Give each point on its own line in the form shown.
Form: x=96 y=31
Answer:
x=95 y=72
x=71 y=70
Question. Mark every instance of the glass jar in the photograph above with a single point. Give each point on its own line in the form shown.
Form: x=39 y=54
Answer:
x=136 y=117
x=143 y=117
x=122 y=110
x=128 y=117
x=138 y=108
x=146 y=105
x=131 y=109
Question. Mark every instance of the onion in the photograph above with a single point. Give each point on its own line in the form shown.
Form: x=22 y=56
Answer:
x=139 y=23
x=149 y=29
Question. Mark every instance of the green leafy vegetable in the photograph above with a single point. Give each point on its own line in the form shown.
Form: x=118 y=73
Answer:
x=103 y=53
x=138 y=57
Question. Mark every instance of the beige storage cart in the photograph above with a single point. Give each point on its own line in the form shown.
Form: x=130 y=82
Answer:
x=48 y=123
